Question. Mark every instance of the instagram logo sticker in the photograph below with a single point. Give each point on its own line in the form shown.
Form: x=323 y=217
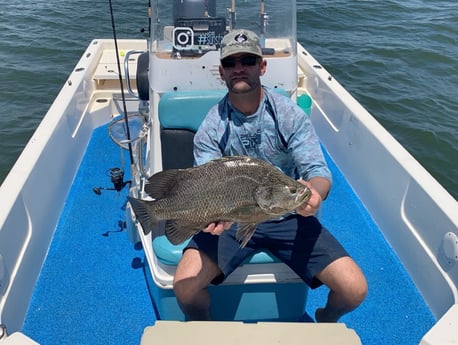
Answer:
x=183 y=38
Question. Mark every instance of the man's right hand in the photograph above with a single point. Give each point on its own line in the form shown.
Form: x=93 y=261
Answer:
x=217 y=228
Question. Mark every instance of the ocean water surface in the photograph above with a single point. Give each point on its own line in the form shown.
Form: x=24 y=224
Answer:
x=398 y=58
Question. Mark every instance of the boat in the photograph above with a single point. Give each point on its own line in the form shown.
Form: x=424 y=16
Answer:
x=77 y=268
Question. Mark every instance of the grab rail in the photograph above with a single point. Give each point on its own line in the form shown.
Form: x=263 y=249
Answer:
x=126 y=70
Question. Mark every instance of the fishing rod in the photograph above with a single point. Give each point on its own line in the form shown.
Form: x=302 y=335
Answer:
x=118 y=62
x=117 y=174
x=150 y=15
x=264 y=17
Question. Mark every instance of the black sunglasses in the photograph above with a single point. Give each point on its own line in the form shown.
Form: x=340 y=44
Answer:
x=246 y=60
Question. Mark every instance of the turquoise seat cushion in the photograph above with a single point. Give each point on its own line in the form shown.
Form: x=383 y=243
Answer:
x=166 y=252
x=170 y=254
x=187 y=109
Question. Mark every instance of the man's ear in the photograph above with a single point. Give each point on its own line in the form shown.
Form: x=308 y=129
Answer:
x=221 y=73
x=263 y=67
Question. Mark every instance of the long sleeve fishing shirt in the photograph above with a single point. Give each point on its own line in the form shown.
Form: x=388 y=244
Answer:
x=279 y=132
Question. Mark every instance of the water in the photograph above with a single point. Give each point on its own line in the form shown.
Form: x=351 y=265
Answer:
x=398 y=58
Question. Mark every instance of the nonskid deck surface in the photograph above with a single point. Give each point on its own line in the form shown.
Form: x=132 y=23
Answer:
x=394 y=312
x=92 y=288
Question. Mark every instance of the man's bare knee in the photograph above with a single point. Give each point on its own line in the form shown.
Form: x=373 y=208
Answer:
x=348 y=288
x=185 y=290
x=192 y=277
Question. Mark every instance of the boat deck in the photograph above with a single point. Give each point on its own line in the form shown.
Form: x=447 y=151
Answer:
x=92 y=288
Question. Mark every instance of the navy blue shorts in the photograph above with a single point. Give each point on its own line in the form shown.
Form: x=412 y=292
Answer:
x=300 y=242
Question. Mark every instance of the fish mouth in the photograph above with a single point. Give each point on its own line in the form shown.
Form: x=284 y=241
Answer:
x=303 y=196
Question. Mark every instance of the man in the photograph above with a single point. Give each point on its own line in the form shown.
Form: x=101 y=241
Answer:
x=251 y=120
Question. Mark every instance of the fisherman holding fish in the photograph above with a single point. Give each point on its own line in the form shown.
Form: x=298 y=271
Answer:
x=251 y=120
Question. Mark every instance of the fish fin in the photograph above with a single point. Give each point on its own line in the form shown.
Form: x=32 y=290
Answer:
x=245 y=232
x=160 y=184
x=177 y=233
x=142 y=210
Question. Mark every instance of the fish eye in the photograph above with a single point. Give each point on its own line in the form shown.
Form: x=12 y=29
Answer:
x=293 y=189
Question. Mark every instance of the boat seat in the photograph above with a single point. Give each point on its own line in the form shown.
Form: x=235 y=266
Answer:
x=169 y=254
x=180 y=115
x=262 y=277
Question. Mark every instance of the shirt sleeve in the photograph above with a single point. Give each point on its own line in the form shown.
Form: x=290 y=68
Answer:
x=207 y=138
x=303 y=142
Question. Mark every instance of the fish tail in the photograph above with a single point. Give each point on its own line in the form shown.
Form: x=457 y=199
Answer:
x=142 y=210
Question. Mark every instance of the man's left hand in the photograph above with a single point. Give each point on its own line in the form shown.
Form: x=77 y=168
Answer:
x=312 y=206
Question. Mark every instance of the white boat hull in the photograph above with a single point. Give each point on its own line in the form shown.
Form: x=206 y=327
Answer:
x=412 y=210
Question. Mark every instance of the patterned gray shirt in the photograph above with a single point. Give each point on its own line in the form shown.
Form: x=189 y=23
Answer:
x=278 y=132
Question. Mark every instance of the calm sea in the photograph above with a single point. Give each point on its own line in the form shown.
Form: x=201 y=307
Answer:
x=399 y=58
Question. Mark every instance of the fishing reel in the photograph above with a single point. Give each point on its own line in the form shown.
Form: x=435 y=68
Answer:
x=117 y=179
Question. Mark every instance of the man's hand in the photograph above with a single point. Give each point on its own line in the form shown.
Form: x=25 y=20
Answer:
x=217 y=228
x=319 y=187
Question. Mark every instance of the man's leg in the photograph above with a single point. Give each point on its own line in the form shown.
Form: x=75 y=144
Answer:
x=348 y=288
x=194 y=274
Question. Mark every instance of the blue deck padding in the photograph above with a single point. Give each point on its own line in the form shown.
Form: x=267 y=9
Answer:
x=394 y=312
x=91 y=289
